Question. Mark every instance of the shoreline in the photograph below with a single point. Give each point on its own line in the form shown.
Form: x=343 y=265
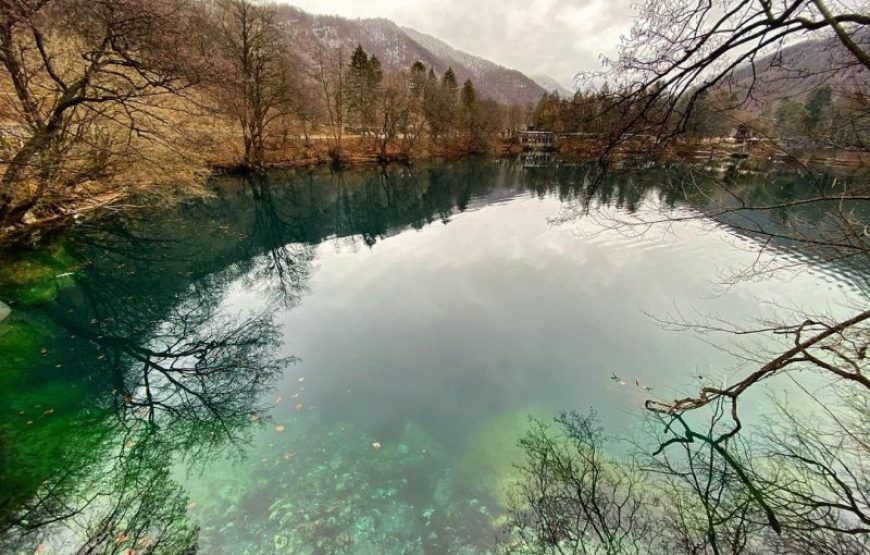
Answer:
x=31 y=232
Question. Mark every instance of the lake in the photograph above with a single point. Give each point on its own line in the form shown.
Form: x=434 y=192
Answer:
x=343 y=362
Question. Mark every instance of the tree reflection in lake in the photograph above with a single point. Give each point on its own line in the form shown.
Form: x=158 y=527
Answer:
x=164 y=364
x=716 y=480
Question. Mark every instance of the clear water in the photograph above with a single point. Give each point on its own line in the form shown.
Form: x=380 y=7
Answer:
x=343 y=362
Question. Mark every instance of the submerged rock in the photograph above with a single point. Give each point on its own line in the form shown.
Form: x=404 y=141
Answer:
x=280 y=542
x=38 y=277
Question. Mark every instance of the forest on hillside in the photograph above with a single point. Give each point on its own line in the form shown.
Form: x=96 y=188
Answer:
x=104 y=98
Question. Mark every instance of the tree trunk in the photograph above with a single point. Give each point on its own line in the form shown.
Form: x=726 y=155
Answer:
x=9 y=213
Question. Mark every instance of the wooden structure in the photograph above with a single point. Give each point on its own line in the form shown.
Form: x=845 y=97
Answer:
x=538 y=140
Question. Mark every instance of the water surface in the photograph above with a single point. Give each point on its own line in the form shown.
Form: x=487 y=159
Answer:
x=342 y=362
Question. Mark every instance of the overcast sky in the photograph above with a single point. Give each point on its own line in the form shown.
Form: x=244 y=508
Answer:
x=551 y=37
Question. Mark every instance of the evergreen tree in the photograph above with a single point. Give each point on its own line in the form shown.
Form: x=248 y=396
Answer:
x=449 y=80
x=418 y=79
x=363 y=84
x=788 y=118
x=468 y=107
x=469 y=95
x=817 y=104
x=355 y=85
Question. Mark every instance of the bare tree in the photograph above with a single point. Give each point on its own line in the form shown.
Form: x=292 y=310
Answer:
x=262 y=72
x=70 y=63
x=678 y=51
x=574 y=499
x=394 y=113
x=331 y=76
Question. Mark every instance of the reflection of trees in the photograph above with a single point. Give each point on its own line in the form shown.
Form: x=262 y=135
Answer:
x=186 y=392
x=802 y=485
x=199 y=367
x=172 y=374
x=284 y=270
x=705 y=490
x=574 y=499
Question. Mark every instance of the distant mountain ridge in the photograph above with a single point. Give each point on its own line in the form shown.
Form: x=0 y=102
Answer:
x=801 y=67
x=552 y=85
x=398 y=47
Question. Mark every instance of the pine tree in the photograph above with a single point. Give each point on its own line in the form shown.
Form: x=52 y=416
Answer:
x=355 y=85
x=468 y=106
x=469 y=95
x=418 y=79
x=817 y=102
x=449 y=80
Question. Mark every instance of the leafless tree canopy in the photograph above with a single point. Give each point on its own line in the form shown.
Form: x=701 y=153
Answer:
x=679 y=50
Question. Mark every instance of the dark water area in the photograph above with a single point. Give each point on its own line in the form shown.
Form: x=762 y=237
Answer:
x=343 y=362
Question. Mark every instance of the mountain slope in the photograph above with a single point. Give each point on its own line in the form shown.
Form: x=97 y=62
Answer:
x=801 y=67
x=523 y=89
x=551 y=85
x=399 y=47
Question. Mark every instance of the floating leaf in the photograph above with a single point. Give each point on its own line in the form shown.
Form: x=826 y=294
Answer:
x=279 y=428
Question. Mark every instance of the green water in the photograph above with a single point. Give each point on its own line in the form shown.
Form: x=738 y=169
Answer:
x=323 y=362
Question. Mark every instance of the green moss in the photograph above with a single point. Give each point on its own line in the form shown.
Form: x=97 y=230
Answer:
x=19 y=345
x=492 y=451
x=37 y=277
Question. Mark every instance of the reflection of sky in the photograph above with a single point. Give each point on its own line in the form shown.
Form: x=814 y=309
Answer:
x=500 y=310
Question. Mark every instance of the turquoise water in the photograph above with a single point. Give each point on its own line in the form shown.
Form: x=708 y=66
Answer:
x=342 y=362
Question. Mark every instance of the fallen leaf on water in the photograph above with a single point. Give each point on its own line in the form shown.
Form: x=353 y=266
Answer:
x=49 y=412
x=300 y=380
x=289 y=455
x=376 y=445
x=121 y=538
x=279 y=428
x=253 y=418
x=294 y=396
x=299 y=407
x=191 y=505
x=130 y=444
x=278 y=400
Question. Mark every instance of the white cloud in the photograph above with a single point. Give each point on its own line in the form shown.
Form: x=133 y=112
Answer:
x=553 y=37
